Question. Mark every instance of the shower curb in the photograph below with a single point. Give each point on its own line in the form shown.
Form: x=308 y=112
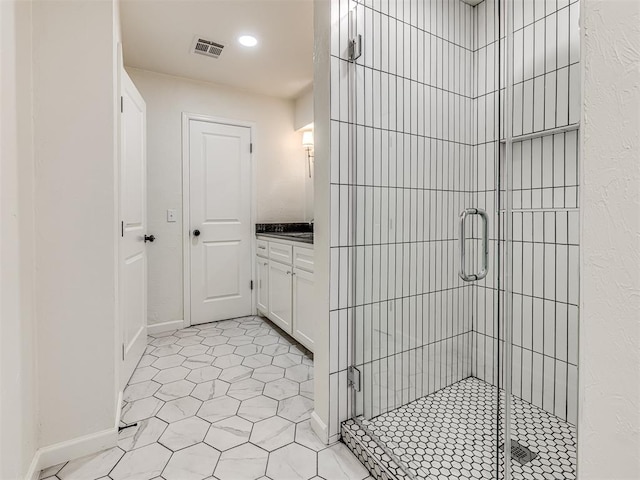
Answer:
x=379 y=464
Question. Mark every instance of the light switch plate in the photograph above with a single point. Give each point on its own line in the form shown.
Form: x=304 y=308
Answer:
x=171 y=215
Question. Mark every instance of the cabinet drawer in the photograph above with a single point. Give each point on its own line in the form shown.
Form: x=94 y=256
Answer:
x=280 y=252
x=303 y=258
x=262 y=248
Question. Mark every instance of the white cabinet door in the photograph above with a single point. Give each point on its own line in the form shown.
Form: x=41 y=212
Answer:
x=262 y=280
x=280 y=295
x=302 y=307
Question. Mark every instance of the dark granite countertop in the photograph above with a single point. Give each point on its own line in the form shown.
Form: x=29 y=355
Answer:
x=295 y=237
x=297 y=232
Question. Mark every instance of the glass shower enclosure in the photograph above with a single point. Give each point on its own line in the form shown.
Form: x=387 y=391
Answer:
x=463 y=124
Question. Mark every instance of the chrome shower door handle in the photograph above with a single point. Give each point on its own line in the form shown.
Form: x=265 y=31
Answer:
x=485 y=244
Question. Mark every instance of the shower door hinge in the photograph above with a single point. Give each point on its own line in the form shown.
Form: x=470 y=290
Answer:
x=353 y=378
x=355 y=48
x=251 y=148
x=355 y=40
x=123 y=352
x=251 y=285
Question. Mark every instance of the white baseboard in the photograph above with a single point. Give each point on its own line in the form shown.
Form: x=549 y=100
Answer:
x=34 y=468
x=320 y=428
x=165 y=326
x=71 y=449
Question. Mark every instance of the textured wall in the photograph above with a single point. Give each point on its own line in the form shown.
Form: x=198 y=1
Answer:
x=609 y=420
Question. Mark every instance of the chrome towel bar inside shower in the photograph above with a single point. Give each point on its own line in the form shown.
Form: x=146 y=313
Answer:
x=485 y=244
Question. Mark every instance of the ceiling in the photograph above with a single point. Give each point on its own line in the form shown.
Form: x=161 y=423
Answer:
x=158 y=35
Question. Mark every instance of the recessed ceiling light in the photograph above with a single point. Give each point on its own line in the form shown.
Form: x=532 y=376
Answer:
x=248 y=41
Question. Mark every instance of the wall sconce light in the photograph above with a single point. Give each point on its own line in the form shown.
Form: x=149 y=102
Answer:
x=307 y=143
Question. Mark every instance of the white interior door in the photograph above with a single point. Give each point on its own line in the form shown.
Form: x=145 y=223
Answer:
x=133 y=213
x=220 y=221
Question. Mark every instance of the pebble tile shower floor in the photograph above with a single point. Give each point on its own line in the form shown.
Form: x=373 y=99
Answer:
x=222 y=401
x=450 y=434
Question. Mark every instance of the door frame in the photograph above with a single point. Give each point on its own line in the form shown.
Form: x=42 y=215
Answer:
x=186 y=199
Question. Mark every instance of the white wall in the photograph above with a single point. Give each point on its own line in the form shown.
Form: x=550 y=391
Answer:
x=74 y=99
x=322 y=190
x=278 y=156
x=304 y=109
x=609 y=419
x=303 y=117
x=307 y=180
x=18 y=399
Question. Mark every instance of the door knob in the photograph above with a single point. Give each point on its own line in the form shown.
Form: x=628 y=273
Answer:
x=196 y=233
x=149 y=238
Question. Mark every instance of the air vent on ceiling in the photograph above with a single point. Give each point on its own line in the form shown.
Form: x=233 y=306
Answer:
x=207 y=47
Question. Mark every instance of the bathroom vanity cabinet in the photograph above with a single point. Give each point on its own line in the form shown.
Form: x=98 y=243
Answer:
x=284 y=290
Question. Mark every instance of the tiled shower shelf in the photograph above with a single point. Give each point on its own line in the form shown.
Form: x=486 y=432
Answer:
x=452 y=434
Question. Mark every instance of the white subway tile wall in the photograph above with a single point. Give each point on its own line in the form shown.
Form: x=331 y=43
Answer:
x=396 y=297
x=544 y=232
x=414 y=141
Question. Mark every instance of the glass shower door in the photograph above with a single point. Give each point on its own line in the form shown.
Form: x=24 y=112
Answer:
x=424 y=313
x=541 y=211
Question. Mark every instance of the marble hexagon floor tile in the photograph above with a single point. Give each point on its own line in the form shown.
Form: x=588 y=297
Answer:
x=92 y=466
x=223 y=401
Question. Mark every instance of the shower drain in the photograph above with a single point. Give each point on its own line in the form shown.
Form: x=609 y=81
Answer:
x=519 y=452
